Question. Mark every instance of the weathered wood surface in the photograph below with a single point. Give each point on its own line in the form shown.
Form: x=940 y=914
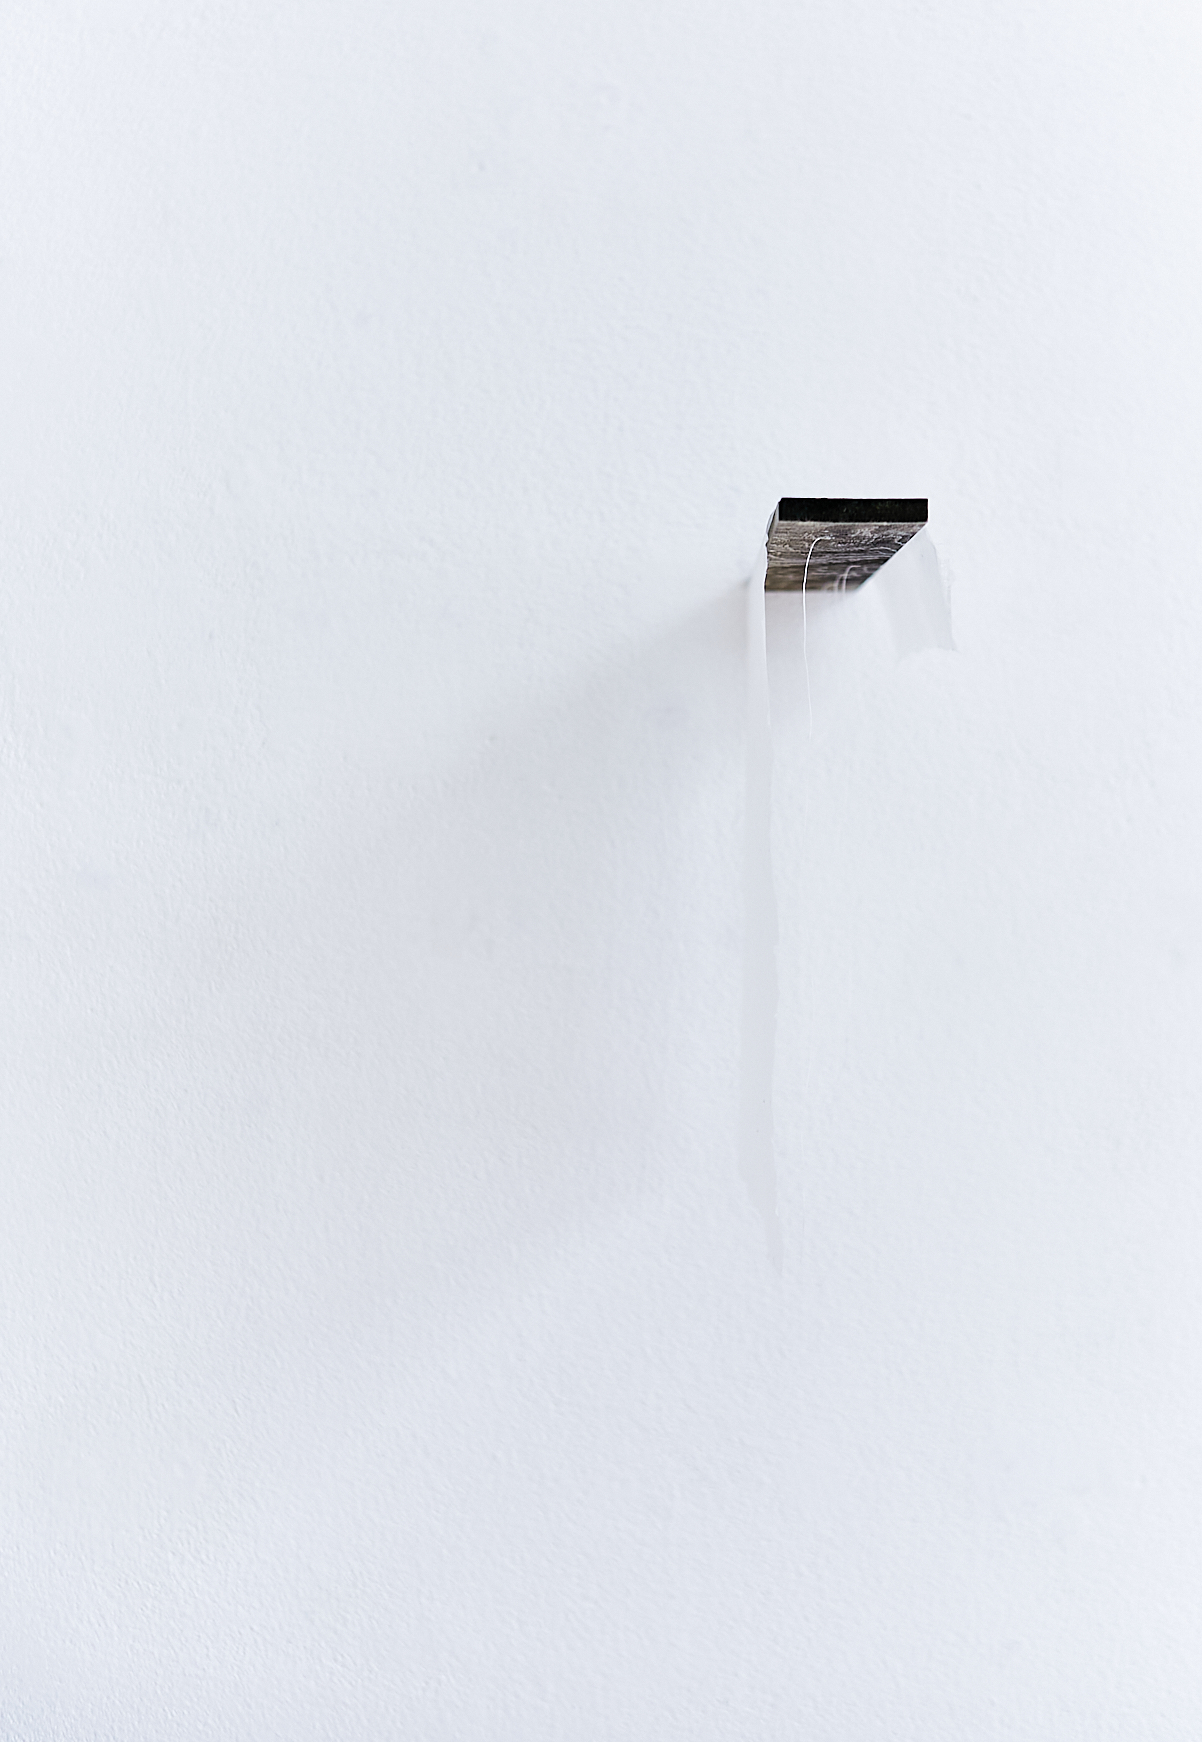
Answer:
x=841 y=553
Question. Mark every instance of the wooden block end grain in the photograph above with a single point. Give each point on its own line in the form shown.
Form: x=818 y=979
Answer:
x=843 y=540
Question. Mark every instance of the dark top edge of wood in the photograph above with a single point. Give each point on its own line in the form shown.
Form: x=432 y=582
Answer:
x=851 y=510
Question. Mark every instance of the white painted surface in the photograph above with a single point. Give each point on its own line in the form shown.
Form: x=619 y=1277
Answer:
x=389 y=1343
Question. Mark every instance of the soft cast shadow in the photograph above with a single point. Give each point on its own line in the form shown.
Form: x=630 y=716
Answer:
x=464 y=1011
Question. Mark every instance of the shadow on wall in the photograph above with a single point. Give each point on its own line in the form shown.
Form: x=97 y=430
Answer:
x=464 y=1023
x=373 y=1075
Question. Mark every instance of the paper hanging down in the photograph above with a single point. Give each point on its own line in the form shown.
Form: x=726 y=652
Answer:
x=757 y=1160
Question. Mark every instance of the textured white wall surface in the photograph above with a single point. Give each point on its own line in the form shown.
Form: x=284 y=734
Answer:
x=394 y=398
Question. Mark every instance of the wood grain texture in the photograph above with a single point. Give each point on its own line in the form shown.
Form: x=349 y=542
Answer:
x=840 y=554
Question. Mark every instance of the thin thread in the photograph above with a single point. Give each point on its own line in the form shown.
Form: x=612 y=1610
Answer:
x=804 y=631
x=757 y=1155
x=801 y=1231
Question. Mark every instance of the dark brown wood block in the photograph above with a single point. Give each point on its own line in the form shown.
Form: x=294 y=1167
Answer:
x=844 y=540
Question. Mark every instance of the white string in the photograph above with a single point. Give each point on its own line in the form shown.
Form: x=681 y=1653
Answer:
x=757 y=1157
x=804 y=632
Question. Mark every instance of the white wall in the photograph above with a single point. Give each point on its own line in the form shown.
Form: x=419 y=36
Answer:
x=394 y=399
